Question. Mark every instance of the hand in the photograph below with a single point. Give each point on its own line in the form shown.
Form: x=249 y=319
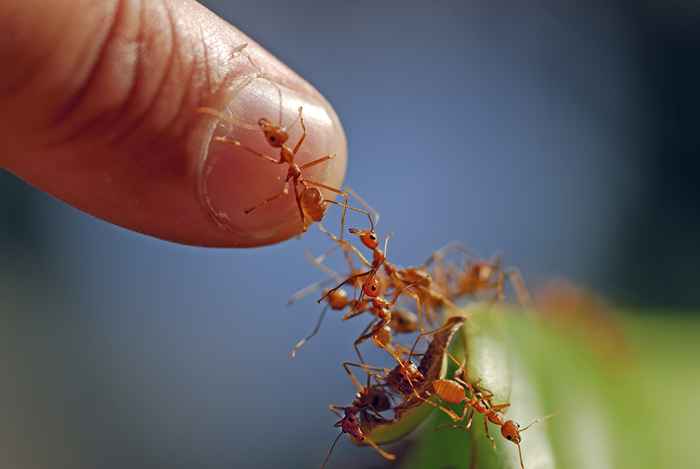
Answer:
x=98 y=107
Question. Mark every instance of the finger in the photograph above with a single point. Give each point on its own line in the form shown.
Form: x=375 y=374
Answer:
x=98 y=107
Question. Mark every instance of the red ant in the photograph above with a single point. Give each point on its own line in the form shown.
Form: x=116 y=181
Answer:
x=454 y=391
x=380 y=330
x=338 y=300
x=310 y=200
x=369 y=401
x=408 y=380
x=484 y=276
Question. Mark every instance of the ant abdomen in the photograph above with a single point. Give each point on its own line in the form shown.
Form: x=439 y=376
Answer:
x=312 y=203
x=449 y=390
x=338 y=299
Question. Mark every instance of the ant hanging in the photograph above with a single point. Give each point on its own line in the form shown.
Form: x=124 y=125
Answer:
x=380 y=329
x=371 y=286
x=338 y=300
x=365 y=409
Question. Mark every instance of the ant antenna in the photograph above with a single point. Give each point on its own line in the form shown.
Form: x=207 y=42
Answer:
x=374 y=214
x=538 y=420
x=294 y=122
x=520 y=455
x=301 y=343
x=385 y=455
x=386 y=244
x=330 y=451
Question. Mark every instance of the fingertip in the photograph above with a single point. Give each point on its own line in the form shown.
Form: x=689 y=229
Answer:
x=238 y=185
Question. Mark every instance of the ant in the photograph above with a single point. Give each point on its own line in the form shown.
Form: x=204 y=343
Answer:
x=479 y=276
x=380 y=330
x=310 y=201
x=410 y=381
x=338 y=300
x=370 y=400
x=371 y=286
x=454 y=391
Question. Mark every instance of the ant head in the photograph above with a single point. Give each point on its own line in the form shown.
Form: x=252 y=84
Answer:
x=338 y=299
x=511 y=431
x=275 y=135
x=371 y=287
x=368 y=237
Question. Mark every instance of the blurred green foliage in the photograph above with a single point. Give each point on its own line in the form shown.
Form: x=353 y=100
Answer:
x=628 y=399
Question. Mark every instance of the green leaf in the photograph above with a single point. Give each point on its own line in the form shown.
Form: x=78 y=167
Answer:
x=614 y=410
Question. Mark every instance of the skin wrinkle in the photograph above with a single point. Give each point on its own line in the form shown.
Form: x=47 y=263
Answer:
x=32 y=67
x=194 y=68
x=168 y=49
x=74 y=102
x=138 y=77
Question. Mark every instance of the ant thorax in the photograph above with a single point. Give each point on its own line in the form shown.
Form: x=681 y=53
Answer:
x=377 y=257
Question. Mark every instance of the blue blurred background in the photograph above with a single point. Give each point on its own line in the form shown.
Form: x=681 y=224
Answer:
x=564 y=137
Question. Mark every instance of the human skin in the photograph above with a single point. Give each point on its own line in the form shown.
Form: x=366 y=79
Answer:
x=99 y=107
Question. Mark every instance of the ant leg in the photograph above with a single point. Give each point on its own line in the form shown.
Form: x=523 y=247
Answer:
x=500 y=407
x=488 y=435
x=448 y=412
x=366 y=368
x=332 y=189
x=336 y=409
x=470 y=418
x=356 y=345
x=301 y=210
x=307 y=290
x=316 y=162
x=303 y=133
x=321 y=266
x=344 y=282
x=320 y=259
x=285 y=191
x=521 y=292
x=346 y=207
x=439 y=254
x=301 y=343
x=346 y=246
x=354 y=313
x=425 y=334
x=236 y=143
x=384 y=454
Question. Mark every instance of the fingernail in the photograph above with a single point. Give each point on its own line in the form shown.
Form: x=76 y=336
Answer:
x=233 y=179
